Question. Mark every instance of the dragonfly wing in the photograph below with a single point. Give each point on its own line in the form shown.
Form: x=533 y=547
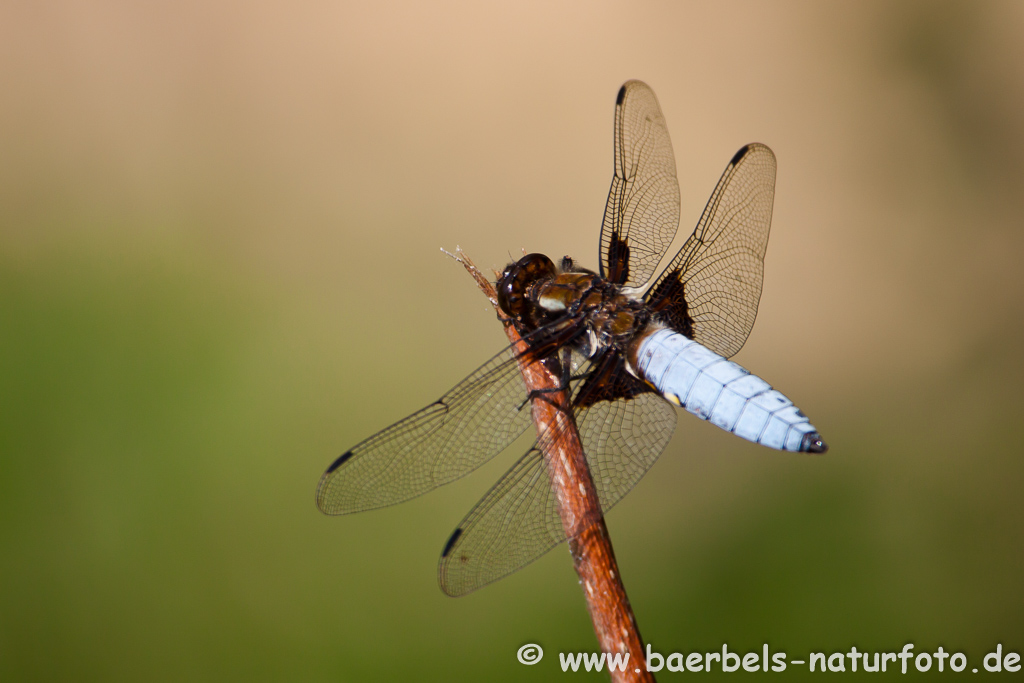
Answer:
x=513 y=525
x=452 y=436
x=711 y=289
x=641 y=215
x=622 y=438
x=518 y=520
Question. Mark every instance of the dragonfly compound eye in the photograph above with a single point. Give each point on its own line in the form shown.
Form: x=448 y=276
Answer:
x=516 y=279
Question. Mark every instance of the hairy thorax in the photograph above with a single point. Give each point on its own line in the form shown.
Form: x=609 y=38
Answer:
x=588 y=311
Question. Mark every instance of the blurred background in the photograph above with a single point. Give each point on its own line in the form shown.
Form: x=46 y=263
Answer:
x=220 y=226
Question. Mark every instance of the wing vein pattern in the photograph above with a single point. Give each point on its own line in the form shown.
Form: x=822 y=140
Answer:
x=641 y=215
x=518 y=520
x=716 y=277
x=452 y=436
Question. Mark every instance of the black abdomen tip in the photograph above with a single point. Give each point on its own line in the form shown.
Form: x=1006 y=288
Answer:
x=812 y=443
x=339 y=462
x=740 y=154
x=621 y=96
x=451 y=541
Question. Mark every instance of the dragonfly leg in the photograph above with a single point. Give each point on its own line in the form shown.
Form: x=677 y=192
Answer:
x=565 y=383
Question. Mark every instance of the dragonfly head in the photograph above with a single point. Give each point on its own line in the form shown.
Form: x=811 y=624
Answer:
x=516 y=280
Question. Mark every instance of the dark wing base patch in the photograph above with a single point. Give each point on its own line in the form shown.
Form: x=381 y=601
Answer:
x=668 y=301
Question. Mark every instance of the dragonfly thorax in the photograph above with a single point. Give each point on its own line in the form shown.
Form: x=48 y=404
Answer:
x=576 y=302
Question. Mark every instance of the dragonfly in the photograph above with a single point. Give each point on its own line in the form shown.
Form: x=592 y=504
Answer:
x=631 y=343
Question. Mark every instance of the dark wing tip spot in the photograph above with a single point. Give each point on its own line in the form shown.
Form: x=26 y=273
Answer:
x=621 y=96
x=740 y=154
x=812 y=443
x=339 y=462
x=451 y=542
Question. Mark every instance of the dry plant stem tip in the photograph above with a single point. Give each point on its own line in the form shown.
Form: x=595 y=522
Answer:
x=589 y=543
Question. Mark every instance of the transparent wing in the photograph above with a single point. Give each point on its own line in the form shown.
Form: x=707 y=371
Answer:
x=710 y=290
x=518 y=520
x=642 y=212
x=622 y=439
x=514 y=524
x=452 y=436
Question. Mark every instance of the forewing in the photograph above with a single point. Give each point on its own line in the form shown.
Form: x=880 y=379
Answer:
x=450 y=437
x=518 y=520
x=710 y=290
x=642 y=212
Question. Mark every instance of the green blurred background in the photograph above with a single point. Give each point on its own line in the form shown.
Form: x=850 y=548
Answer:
x=219 y=268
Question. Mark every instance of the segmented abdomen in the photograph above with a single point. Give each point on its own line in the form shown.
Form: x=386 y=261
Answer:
x=723 y=392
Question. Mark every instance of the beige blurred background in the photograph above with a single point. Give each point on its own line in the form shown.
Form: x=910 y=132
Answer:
x=220 y=226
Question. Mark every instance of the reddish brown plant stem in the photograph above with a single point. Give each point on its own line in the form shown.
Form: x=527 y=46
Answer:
x=589 y=543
